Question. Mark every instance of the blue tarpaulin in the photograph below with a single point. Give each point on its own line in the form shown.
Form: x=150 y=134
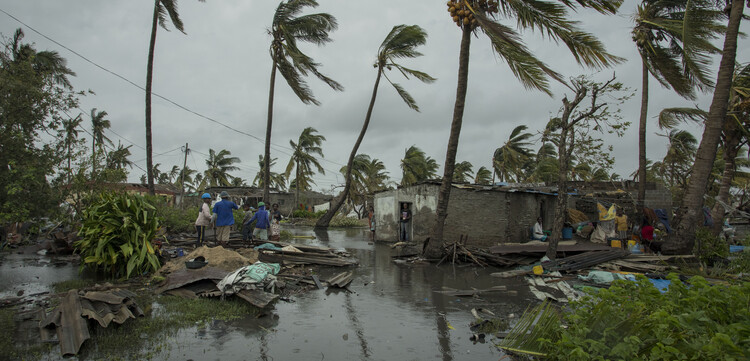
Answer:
x=662 y=215
x=735 y=249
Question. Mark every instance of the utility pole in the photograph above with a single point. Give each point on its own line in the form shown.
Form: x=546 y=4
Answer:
x=182 y=177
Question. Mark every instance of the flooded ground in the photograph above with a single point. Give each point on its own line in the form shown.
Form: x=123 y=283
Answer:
x=391 y=314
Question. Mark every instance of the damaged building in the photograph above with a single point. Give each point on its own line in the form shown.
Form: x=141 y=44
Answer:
x=502 y=213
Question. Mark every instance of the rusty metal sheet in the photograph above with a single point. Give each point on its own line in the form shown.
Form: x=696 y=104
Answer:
x=257 y=298
x=105 y=313
x=188 y=276
x=72 y=330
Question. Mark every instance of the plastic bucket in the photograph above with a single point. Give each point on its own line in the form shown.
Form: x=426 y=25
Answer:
x=616 y=243
x=538 y=270
x=567 y=233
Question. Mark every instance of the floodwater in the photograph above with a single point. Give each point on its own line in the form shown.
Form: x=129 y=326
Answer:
x=392 y=312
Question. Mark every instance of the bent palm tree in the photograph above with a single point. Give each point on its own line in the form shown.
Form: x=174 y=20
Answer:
x=509 y=159
x=401 y=43
x=162 y=8
x=462 y=172
x=288 y=28
x=483 y=176
x=417 y=166
x=69 y=134
x=44 y=62
x=98 y=125
x=673 y=39
x=551 y=19
x=303 y=159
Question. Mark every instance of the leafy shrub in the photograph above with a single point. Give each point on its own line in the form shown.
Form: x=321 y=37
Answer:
x=176 y=220
x=301 y=213
x=634 y=321
x=116 y=235
x=708 y=247
x=345 y=222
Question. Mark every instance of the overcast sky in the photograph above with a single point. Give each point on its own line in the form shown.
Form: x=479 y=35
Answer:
x=221 y=70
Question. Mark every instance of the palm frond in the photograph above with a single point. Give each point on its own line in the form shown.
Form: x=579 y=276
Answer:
x=670 y=117
x=540 y=322
x=525 y=66
x=422 y=76
x=405 y=96
x=169 y=7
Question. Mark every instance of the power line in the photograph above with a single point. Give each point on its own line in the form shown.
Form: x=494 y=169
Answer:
x=153 y=93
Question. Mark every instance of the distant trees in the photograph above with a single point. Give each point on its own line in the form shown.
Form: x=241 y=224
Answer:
x=304 y=160
x=417 y=167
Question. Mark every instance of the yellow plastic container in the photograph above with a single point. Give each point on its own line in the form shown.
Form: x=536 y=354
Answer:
x=631 y=243
x=538 y=270
x=616 y=243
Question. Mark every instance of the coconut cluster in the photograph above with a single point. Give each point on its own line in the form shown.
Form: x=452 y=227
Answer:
x=462 y=11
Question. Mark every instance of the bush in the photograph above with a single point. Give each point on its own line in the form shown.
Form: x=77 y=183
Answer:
x=634 y=321
x=301 y=213
x=116 y=235
x=345 y=222
x=708 y=248
x=176 y=220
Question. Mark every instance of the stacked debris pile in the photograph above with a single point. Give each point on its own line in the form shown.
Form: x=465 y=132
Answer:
x=297 y=254
x=69 y=319
x=218 y=257
x=459 y=252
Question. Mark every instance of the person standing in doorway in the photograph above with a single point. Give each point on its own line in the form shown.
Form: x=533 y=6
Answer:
x=371 y=220
x=262 y=222
x=275 y=222
x=405 y=221
x=224 y=217
x=247 y=228
x=203 y=220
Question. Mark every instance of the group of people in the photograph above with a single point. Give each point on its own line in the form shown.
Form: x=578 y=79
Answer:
x=255 y=224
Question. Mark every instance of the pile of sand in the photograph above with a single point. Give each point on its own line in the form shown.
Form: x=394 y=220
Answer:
x=219 y=257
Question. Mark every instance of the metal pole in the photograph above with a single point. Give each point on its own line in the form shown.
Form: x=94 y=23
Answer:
x=182 y=177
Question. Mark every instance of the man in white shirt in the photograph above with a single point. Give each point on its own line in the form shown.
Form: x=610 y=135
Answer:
x=538 y=233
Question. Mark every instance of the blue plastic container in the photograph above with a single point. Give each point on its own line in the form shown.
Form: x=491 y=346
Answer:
x=567 y=233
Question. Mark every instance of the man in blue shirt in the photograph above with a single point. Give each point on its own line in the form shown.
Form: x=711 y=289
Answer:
x=224 y=217
x=262 y=222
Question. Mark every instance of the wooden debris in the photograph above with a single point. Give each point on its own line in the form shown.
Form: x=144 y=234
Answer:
x=297 y=258
x=585 y=260
x=469 y=293
x=511 y=273
x=317 y=282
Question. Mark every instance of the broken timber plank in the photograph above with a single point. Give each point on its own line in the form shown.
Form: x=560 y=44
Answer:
x=511 y=273
x=470 y=293
x=257 y=298
x=317 y=282
x=306 y=259
x=341 y=280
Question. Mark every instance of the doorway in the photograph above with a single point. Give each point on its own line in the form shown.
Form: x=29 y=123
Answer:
x=405 y=222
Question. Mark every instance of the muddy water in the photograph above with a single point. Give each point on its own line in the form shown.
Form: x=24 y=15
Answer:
x=29 y=273
x=391 y=314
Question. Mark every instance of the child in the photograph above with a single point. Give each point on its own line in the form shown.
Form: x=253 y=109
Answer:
x=247 y=228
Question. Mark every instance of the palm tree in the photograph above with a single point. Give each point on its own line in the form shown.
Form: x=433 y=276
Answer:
x=162 y=9
x=118 y=158
x=45 y=62
x=509 y=159
x=368 y=176
x=303 y=159
x=550 y=18
x=462 y=172
x=483 y=176
x=185 y=179
x=679 y=157
x=98 y=125
x=70 y=136
x=400 y=43
x=734 y=134
x=417 y=166
x=673 y=39
x=218 y=167
x=288 y=28
x=544 y=166
x=277 y=179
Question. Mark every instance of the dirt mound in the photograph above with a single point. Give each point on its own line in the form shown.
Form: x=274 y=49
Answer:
x=219 y=257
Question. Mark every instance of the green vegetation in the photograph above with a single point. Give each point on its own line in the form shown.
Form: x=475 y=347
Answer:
x=709 y=247
x=302 y=213
x=116 y=235
x=176 y=220
x=68 y=285
x=634 y=321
